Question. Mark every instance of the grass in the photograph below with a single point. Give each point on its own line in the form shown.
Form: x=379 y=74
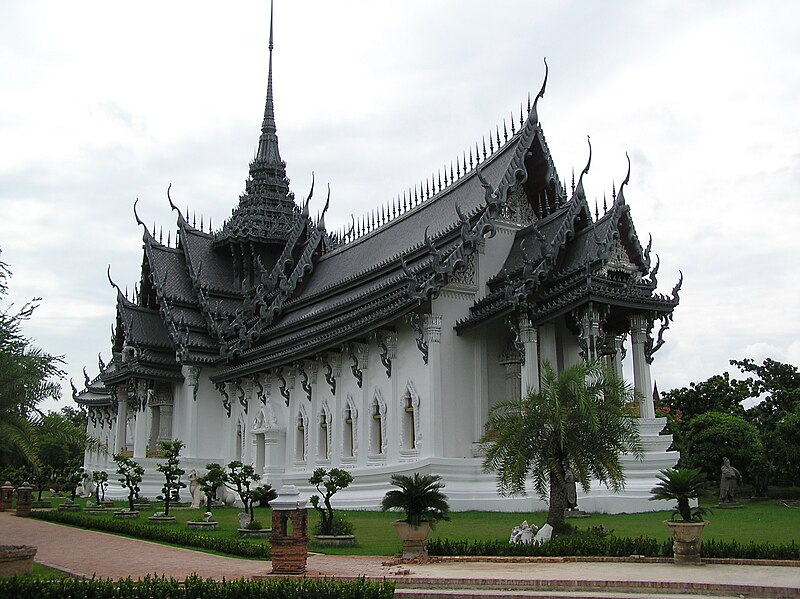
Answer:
x=768 y=521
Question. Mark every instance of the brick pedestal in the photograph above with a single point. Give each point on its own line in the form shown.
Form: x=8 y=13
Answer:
x=6 y=496
x=24 y=499
x=289 y=532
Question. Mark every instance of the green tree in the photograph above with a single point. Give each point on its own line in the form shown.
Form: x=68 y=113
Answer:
x=713 y=436
x=578 y=419
x=719 y=393
x=172 y=471
x=130 y=475
x=776 y=384
x=332 y=481
x=212 y=480
x=26 y=378
x=59 y=440
x=783 y=446
x=239 y=478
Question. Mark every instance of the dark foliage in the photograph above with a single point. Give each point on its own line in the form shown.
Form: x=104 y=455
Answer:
x=194 y=587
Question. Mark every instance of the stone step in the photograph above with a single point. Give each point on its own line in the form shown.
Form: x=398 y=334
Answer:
x=551 y=594
x=583 y=589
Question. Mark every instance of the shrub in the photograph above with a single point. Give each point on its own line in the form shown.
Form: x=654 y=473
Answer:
x=332 y=481
x=341 y=526
x=712 y=436
x=194 y=586
x=184 y=538
x=594 y=543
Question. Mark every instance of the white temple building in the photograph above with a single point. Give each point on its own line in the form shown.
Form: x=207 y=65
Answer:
x=381 y=348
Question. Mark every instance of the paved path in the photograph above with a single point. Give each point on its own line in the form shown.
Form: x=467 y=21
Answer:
x=88 y=553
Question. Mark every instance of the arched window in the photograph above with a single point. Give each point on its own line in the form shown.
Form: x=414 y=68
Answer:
x=377 y=426
x=409 y=420
x=409 y=417
x=300 y=438
x=349 y=431
x=323 y=435
x=239 y=440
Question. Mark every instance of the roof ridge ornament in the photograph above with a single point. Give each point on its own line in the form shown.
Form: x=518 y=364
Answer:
x=579 y=191
x=533 y=114
x=174 y=207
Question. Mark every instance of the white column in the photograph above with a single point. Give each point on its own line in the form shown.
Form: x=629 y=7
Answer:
x=641 y=369
x=549 y=347
x=190 y=426
x=433 y=332
x=122 y=419
x=140 y=435
x=512 y=362
x=616 y=358
x=164 y=423
x=530 y=369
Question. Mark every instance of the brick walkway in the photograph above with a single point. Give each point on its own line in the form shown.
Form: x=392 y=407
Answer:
x=88 y=553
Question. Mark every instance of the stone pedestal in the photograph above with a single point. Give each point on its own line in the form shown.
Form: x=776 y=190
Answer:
x=16 y=560
x=289 y=547
x=24 y=500
x=6 y=496
x=686 y=542
x=415 y=538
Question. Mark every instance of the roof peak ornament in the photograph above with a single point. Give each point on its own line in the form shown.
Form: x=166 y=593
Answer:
x=534 y=115
x=578 y=191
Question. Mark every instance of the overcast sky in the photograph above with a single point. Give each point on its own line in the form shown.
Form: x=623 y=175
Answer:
x=105 y=102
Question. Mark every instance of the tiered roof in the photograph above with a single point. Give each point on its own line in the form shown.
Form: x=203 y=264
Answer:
x=272 y=286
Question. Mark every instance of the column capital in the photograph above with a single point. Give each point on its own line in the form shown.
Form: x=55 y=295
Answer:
x=433 y=327
x=640 y=327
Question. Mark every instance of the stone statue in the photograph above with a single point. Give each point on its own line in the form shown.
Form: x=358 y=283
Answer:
x=207 y=517
x=570 y=489
x=194 y=488
x=87 y=485
x=729 y=479
x=523 y=533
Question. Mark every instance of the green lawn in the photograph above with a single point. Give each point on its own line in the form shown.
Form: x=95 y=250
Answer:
x=768 y=521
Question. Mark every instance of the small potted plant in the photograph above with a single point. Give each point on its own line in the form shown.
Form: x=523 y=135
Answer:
x=421 y=499
x=683 y=485
x=332 y=529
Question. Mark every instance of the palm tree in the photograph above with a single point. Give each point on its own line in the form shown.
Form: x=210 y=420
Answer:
x=681 y=485
x=25 y=380
x=578 y=420
x=419 y=497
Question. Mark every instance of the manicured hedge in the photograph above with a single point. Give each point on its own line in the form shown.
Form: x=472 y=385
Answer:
x=193 y=587
x=611 y=546
x=583 y=545
x=184 y=538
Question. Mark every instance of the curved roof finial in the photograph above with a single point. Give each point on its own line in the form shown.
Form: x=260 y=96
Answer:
x=578 y=191
x=173 y=206
x=534 y=115
x=136 y=214
x=321 y=220
x=627 y=176
x=310 y=195
x=111 y=281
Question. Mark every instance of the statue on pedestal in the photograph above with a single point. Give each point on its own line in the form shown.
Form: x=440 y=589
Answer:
x=729 y=479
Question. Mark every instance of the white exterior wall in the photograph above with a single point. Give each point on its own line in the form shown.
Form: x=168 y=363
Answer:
x=451 y=395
